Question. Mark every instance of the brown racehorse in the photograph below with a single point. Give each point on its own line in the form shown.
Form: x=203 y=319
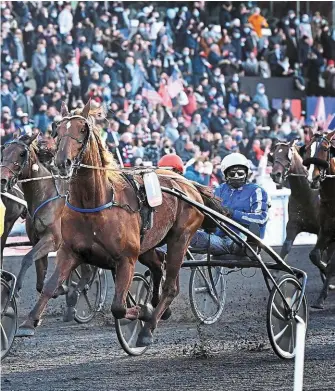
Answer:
x=110 y=238
x=324 y=176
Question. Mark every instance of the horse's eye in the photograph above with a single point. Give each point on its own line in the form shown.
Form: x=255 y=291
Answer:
x=82 y=130
x=23 y=153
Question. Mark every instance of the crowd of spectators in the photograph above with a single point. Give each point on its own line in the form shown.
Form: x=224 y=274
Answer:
x=168 y=78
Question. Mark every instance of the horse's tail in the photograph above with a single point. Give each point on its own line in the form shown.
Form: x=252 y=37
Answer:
x=211 y=202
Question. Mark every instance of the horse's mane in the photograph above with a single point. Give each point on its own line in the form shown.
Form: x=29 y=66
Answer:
x=97 y=148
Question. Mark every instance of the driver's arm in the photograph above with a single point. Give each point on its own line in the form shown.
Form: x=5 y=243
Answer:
x=258 y=209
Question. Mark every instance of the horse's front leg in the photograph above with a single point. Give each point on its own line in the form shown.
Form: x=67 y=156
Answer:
x=329 y=273
x=41 y=266
x=40 y=250
x=316 y=254
x=292 y=231
x=125 y=269
x=65 y=262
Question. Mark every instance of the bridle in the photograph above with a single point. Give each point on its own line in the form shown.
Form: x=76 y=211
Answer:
x=88 y=126
x=287 y=168
x=16 y=174
x=323 y=171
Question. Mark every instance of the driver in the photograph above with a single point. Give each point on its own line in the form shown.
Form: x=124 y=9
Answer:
x=246 y=203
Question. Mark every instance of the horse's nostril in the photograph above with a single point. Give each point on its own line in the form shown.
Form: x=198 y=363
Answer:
x=278 y=174
x=67 y=163
x=4 y=181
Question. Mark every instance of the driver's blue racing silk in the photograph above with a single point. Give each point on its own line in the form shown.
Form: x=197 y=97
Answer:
x=249 y=203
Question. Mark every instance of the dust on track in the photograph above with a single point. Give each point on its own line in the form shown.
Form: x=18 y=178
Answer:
x=234 y=354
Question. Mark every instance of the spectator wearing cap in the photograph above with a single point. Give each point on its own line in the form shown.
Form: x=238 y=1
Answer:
x=41 y=119
x=7 y=98
x=25 y=102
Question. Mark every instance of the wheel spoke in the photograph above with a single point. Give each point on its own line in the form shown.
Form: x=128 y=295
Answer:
x=276 y=313
x=4 y=339
x=280 y=334
x=133 y=334
x=87 y=301
x=209 y=288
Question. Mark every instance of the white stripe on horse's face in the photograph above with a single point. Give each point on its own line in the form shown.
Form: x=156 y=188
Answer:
x=311 y=168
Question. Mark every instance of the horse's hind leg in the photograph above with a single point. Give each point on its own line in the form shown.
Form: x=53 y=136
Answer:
x=72 y=298
x=41 y=249
x=174 y=259
x=154 y=260
x=315 y=255
x=123 y=277
x=66 y=261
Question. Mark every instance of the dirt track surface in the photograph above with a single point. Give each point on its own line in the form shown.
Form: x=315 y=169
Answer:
x=237 y=356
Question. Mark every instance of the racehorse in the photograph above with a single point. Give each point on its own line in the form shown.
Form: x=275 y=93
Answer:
x=304 y=203
x=323 y=177
x=101 y=224
x=14 y=210
x=20 y=161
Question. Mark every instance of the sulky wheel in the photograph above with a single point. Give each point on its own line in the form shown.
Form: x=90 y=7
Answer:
x=127 y=330
x=92 y=296
x=8 y=319
x=281 y=322
x=207 y=295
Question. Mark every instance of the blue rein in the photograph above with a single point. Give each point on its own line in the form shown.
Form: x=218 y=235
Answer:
x=46 y=202
x=72 y=207
x=90 y=210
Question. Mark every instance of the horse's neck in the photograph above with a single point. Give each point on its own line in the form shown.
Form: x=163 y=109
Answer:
x=327 y=189
x=37 y=191
x=299 y=184
x=89 y=187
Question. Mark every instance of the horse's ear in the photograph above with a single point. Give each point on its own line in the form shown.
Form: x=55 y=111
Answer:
x=86 y=109
x=64 y=110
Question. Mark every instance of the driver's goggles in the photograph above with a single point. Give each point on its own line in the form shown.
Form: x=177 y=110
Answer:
x=236 y=174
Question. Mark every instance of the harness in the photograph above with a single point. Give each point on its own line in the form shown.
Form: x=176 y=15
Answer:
x=146 y=212
x=286 y=167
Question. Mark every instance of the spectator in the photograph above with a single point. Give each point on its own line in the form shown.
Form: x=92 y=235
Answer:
x=39 y=64
x=260 y=98
x=25 y=102
x=7 y=98
x=257 y=21
x=195 y=172
x=41 y=119
x=65 y=20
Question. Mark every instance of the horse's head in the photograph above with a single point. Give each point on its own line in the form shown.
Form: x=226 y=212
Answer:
x=15 y=160
x=73 y=133
x=46 y=149
x=281 y=156
x=323 y=158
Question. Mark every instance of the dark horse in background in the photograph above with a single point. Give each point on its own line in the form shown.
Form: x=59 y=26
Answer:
x=111 y=237
x=14 y=210
x=20 y=161
x=324 y=179
x=304 y=203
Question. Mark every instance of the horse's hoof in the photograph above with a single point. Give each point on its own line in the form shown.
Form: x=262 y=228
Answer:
x=144 y=338
x=318 y=305
x=167 y=314
x=146 y=312
x=69 y=314
x=25 y=331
